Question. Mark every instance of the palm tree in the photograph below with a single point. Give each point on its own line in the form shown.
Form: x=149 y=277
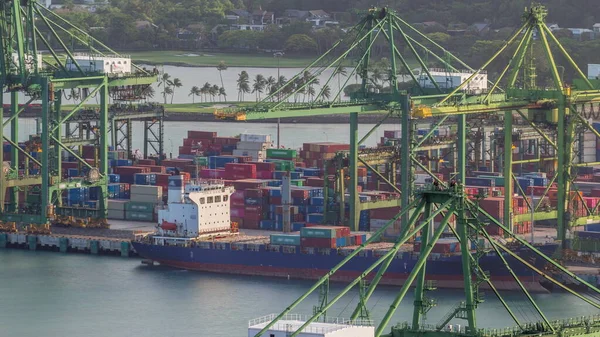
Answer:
x=194 y=92
x=175 y=84
x=326 y=92
x=376 y=76
x=340 y=71
x=168 y=91
x=242 y=84
x=165 y=81
x=269 y=83
x=148 y=92
x=206 y=90
x=220 y=67
x=223 y=93
x=258 y=86
x=214 y=90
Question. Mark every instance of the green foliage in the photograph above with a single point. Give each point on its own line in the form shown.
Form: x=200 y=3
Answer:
x=300 y=44
x=240 y=39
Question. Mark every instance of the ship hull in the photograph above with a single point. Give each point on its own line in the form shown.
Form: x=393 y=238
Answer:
x=445 y=270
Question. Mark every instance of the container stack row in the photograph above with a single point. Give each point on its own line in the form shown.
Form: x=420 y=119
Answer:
x=315 y=236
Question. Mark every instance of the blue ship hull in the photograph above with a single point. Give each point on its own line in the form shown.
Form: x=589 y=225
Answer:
x=446 y=270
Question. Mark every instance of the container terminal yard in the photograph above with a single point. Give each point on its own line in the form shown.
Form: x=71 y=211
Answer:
x=486 y=180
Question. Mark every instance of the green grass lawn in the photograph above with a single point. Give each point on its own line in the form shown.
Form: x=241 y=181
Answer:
x=200 y=59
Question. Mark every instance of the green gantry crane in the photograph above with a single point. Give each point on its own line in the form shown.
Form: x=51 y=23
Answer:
x=27 y=28
x=555 y=105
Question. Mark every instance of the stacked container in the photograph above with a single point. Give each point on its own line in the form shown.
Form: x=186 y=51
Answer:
x=255 y=146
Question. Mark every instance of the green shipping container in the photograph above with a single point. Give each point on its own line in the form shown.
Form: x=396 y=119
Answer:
x=285 y=239
x=201 y=161
x=315 y=232
x=284 y=165
x=139 y=216
x=297 y=182
x=136 y=206
x=281 y=153
x=498 y=181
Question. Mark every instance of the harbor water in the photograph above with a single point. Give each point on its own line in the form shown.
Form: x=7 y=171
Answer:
x=53 y=294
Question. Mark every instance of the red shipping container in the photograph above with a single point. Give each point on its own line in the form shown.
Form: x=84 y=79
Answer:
x=185 y=150
x=179 y=163
x=252 y=216
x=275 y=200
x=154 y=168
x=314 y=182
x=264 y=175
x=254 y=193
x=162 y=178
x=300 y=194
x=240 y=168
x=256 y=209
x=142 y=162
x=249 y=183
x=237 y=212
x=238 y=203
x=129 y=170
x=201 y=134
x=68 y=165
x=263 y=166
x=238 y=196
x=251 y=223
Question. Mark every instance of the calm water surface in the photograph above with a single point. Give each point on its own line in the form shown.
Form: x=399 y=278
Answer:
x=50 y=294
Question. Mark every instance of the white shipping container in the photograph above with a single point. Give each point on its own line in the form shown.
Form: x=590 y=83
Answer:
x=253 y=146
x=29 y=61
x=256 y=155
x=423 y=178
x=116 y=214
x=146 y=190
x=146 y=198
x=246 y=137
x=116 y=205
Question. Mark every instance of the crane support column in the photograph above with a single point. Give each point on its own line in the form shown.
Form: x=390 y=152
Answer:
x=14 y=151
x=463 y=225
x=508 y=173
x=353 y=187
x=406 y=164
x=103 y=165
x=45 y=140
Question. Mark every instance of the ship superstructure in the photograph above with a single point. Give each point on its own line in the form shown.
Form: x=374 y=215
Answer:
x=195 y=210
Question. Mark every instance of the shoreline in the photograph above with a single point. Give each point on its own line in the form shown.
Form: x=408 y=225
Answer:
x=324 y=119
x=188 y=65
x=372 y=118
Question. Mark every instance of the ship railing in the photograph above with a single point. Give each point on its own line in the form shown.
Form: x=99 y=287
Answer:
x=340 y=321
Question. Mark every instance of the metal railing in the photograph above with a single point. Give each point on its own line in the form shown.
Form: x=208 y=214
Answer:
x=285 y=323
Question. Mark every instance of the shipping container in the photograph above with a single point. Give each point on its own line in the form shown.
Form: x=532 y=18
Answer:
x=140 y=207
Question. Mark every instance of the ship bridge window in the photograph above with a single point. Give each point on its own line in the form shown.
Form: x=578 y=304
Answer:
x=201 y=200
x=218 y=198
x=209 y=200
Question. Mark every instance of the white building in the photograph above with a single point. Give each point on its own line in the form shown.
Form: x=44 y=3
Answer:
x=335 y=327
x=594 y=71
x=97 y=63
x=449 y=80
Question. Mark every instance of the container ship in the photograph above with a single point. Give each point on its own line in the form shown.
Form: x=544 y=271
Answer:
x=195 y=232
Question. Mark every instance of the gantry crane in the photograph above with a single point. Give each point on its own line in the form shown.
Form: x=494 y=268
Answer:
x=27 y=28
x=555 y=105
